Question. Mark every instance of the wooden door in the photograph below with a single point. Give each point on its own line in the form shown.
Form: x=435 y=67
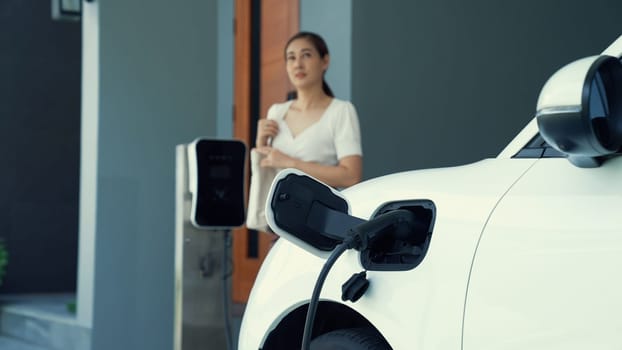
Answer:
x=260 y=81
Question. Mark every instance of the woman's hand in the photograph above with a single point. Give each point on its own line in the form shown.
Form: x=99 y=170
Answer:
x=266 y=130
x=273 y=158
x=347 y=173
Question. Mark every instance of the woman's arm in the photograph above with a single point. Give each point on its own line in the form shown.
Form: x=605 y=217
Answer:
x=347 y=173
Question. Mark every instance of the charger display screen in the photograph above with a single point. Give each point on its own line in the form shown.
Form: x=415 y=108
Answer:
x=220 y=183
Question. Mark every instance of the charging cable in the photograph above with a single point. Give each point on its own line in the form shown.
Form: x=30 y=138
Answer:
x=398 y=223
x=306 y=337
x=225 y=287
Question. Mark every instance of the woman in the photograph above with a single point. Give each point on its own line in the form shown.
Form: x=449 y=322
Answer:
x=315 y=132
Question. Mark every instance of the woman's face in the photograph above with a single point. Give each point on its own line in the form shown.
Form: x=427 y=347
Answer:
x=305 y=67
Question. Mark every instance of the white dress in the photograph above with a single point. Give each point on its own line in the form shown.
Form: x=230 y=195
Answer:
x=334 y=136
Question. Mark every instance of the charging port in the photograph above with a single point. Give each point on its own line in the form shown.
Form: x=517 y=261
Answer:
x=390 y=253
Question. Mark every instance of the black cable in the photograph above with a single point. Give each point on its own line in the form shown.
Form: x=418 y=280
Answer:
x=397 y=222
x=306 y=337
x=225 y=288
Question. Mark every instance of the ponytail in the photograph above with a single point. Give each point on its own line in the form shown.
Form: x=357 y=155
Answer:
x=327 y=89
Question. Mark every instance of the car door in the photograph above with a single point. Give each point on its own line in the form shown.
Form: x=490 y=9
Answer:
x=546 y=270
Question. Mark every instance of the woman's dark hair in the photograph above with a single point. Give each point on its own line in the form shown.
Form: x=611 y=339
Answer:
x=321 y=47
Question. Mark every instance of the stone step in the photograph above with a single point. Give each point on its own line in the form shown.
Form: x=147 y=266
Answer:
x=43 y=321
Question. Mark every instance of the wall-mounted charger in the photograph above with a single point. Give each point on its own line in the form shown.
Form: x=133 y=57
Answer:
x=216 y=171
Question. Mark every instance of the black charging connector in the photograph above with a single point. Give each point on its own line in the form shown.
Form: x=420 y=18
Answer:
x=398 y=224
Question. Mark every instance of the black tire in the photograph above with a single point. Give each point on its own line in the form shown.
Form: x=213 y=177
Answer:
x=350 y=339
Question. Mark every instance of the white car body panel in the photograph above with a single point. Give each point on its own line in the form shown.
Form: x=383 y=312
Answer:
x=464 y=197
x=568 y=223
x=615 y=49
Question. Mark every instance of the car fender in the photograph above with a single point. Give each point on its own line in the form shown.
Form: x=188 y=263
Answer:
x=429 y=300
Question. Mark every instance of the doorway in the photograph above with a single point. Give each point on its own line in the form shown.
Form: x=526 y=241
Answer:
x=262 y=27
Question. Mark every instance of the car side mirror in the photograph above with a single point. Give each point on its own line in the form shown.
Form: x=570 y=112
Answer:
x=579 y=110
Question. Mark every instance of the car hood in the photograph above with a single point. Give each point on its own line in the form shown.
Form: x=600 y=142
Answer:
x=467 y=183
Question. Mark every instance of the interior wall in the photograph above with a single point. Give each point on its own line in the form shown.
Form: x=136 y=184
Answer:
x=448 y=82
x=333 y=21
x=154 y=69
x=224 y=115
x=40 y=149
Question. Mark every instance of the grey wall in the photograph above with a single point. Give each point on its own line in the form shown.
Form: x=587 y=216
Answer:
x=446 y=82
x=40 y=147
x=153 y=66
x=225 y=69
x=333 y=21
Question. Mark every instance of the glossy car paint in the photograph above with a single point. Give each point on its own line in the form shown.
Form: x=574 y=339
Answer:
x=464 y=197
x=545 y=273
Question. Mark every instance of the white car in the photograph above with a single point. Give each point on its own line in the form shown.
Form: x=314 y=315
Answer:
x=522 y=251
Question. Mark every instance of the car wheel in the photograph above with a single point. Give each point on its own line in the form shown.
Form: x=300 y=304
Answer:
x=350 y=339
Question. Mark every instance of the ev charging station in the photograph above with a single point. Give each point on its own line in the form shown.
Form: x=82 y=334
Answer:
x=209 y=202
